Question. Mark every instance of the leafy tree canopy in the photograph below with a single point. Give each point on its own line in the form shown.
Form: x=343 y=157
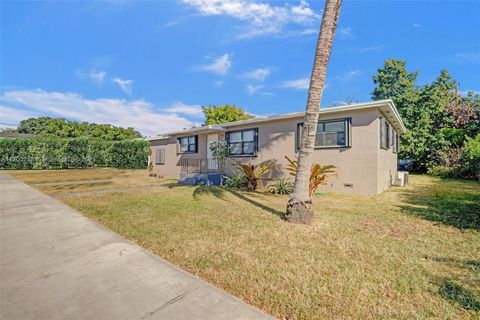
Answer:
x=224 y=113
x=436 y=116
x=61 y=128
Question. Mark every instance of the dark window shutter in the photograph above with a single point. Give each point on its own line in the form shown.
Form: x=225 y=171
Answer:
x=382 y=133
x=348 y=132
x=255 y=148
x=298 y=138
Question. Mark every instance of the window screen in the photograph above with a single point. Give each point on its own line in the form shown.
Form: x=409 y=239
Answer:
x=330 y=133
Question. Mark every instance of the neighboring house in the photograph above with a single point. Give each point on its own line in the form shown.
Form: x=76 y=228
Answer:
x=361 y=140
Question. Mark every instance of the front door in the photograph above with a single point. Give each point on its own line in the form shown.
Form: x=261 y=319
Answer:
x=212 y=163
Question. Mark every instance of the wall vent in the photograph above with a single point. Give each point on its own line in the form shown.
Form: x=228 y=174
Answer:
x=348 y=185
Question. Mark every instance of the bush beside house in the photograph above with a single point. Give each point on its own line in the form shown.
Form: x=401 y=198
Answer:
x=82 y=152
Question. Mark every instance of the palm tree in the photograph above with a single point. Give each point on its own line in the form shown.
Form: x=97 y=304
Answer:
x=299 y=207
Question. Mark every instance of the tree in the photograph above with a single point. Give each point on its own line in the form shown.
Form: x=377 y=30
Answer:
x=61 y=128
x=224 y=113
x=299 y=207
x=436 y=116
x=393 y=81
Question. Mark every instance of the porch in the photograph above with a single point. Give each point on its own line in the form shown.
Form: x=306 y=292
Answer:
x=199 y=170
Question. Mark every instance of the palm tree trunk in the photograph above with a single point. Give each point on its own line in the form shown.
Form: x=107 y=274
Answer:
x=299 y=207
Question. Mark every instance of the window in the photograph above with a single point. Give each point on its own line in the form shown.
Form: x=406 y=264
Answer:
x=330 y=133
x=384 y=134
x=396 y=147
x=243 y=143
x=188 y=144
x=160 y=156
x=391 y=137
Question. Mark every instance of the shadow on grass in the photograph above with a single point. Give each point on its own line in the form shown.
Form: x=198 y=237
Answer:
x=460 y=295
x=468 y=264
x=451 y=203
x=257 y=204
x=204 y=190
x=452 y=290
x=219 y=192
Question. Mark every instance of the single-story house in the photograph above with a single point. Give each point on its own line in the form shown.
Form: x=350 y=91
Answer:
x=361 y=140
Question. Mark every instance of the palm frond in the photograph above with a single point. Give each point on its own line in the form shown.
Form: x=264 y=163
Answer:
x=318 y=174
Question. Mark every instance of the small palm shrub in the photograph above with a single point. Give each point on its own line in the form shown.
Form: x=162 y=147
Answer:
x=255 y=173
x=319 y=175
x=237 y=181
x=281 y=186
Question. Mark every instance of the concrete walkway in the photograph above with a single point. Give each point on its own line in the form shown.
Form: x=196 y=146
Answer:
x=57 y=264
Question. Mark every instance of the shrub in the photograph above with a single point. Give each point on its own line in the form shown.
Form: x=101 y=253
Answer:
x=318 y=174
x=56 y=153
x=130 y=154
x=441 y=171
x=281 y=186
x=237 y=181
x=465 y=164
x=471 y=158
x=14 y=153
x=253 y=174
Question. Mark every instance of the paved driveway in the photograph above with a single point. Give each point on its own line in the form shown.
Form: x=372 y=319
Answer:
x=57 y=264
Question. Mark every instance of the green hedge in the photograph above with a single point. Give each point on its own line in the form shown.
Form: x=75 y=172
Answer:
x=55 y=153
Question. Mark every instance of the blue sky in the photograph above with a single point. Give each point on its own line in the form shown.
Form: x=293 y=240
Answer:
x=153 y=64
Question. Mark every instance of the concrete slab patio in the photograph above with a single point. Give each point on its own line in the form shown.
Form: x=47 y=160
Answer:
x=57 y=264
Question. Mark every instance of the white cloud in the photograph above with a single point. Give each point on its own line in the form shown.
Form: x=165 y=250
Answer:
x=417 y=25
x=309 y=31
x=259 y=74
x=465 y=92
x=346 y=33
x=262 y=18
x=97 y=77
x=300 y=84
x=267 y=93
x=473 y=57
x=220 y=65
x=349 y=75
x=252 y=89
x=13 y=116
x=21 y=104
x=125 y=85
x=191 y=110
x=371 y=48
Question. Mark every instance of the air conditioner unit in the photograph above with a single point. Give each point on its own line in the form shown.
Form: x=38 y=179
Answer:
x=402 y=178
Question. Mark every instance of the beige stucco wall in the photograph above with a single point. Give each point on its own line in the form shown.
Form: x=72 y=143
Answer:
x=387 y=165
x=363 y=168
x=171 y=168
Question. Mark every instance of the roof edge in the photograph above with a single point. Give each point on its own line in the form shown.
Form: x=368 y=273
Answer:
x=349 y=107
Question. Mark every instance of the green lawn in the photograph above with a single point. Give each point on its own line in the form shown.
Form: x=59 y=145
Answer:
x=409 y=253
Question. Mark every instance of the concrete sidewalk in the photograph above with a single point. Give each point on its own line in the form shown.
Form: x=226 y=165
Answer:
x=57 y=264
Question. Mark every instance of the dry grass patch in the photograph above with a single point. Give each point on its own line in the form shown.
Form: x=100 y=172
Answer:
x=81 y=180
x=364 y=258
